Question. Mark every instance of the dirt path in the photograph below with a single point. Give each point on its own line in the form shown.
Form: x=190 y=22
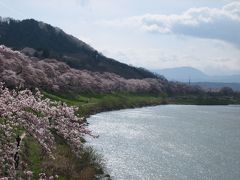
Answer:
x=16 y=155
x=22 y=136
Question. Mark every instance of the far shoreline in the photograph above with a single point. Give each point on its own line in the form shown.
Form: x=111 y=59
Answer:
x=152 y=105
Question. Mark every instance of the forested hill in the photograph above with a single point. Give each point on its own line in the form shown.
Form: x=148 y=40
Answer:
x=46 y=41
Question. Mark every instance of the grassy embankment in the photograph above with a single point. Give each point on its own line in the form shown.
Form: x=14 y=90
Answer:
x=66 y=165
x=93 y=103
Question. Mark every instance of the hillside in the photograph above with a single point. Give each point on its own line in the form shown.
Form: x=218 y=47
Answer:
x=46 y=41
x=19 y=70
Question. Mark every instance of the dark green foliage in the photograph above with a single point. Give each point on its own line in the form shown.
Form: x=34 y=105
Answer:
x=45 y=53
x=205 y=99
x=226 y=91
x=37 y=35
x=54 y=43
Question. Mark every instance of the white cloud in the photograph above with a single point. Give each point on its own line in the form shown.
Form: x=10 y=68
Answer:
x=212 y=23
x=82 y=2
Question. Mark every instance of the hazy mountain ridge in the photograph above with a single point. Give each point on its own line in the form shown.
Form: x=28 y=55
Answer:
x=57 y=44
x=186 y=74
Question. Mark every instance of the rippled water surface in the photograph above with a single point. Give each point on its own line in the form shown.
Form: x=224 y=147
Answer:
x=170 y=142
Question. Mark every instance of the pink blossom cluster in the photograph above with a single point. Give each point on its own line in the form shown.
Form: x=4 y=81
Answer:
x=16 y=69
x=40 y=118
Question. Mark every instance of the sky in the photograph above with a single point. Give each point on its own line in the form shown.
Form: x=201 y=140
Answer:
x=154 y=34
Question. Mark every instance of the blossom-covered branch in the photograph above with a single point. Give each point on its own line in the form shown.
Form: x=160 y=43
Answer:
x=40 y=118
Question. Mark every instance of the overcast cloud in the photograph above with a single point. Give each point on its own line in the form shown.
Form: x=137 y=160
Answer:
x=213 y=23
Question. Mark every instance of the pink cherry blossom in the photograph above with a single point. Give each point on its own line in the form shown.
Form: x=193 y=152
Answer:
x=39 y=117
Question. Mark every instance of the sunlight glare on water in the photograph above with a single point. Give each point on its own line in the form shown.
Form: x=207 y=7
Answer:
x=170 y=142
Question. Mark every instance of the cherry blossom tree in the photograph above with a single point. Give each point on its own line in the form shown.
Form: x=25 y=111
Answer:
x=39 y=117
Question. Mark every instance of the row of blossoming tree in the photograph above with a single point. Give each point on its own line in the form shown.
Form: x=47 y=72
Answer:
x=39 y=117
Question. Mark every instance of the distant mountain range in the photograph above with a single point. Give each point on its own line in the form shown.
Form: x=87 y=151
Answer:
x=45 y=41
x=184 y=74
x=197 y=77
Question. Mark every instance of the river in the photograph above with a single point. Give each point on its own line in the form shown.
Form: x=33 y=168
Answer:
x=169 y=142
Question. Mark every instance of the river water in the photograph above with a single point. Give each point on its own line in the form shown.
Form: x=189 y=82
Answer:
x=170 y=142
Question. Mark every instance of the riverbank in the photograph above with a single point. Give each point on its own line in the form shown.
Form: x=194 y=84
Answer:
x=89 y=164
x=90 y=103
x=92 y=164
